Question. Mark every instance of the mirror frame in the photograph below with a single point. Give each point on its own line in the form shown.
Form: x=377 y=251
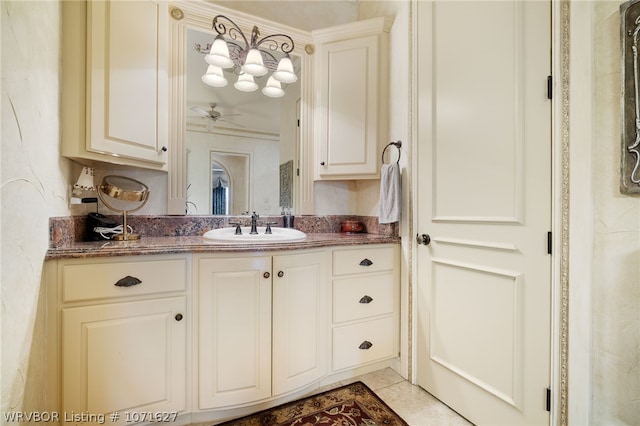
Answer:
x=198 y=14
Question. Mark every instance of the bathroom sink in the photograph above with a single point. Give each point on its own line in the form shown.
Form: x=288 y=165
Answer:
x=278 y=235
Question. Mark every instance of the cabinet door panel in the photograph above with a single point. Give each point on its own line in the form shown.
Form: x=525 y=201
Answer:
x=128 y=78
x=348 y=119
x=300 y=322
x=348 y=104
x=125 y=355
x=234 y=331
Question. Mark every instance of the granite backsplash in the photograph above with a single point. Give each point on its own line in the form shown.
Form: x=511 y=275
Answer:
x=69 y=229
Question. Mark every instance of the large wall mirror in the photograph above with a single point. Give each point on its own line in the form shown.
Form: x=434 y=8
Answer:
x=235 y=152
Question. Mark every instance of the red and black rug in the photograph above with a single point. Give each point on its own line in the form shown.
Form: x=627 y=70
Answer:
x=353 y=404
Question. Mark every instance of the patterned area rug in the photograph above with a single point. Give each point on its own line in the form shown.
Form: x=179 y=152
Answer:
x=353 y=404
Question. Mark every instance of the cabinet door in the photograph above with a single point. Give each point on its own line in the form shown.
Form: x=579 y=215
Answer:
x=128 y=78
x=234 y=331
x=300 y=323
x=349 y=119
x=123 y=356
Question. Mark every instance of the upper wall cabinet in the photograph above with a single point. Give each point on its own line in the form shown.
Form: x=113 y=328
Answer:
x=351 y=99
x=115 y=82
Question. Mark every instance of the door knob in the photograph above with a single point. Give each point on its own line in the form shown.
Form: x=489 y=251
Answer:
x=423 y=239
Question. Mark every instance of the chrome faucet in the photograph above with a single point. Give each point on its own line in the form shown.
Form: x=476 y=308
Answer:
x=254 y=223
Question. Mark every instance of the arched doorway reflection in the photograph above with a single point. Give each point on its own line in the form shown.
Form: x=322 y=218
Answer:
x=219 y=189
x=229 y=184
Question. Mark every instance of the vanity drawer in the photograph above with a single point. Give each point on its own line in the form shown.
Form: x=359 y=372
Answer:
x=357 y=344
x=361 y=297
x=97 y=280
x=362 y=260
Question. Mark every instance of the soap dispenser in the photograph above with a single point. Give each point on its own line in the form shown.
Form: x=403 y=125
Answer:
x=288 y=218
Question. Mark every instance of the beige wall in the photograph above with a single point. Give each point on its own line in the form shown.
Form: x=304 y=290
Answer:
x=616 y=257
x=33 y=188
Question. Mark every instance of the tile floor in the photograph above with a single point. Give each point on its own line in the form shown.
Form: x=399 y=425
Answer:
x=416 y=406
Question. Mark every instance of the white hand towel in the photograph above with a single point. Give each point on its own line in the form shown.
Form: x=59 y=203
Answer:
x=390 y=193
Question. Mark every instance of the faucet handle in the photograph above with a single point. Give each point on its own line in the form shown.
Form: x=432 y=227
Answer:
x=238 y=228
x=268 y=230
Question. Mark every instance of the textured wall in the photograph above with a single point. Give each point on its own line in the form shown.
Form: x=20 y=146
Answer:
x=33 y=187
x=616 y=261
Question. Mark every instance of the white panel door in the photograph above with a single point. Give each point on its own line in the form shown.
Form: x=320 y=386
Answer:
x=234 y=331
x=484 y=179
x=300 y=323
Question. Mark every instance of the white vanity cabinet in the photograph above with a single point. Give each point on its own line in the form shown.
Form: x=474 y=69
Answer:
x=351 y=108
x=208 y=335
x=115 y=82
x=365 y=301
x=122 y=326
x=262 y=325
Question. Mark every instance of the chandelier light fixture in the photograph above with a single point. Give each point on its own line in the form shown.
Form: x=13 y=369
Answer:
x=248 y=58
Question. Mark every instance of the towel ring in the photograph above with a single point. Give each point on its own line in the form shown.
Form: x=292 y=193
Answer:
x=397 y=144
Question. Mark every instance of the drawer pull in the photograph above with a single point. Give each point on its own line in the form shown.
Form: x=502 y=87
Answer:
x=366 y=299
x=128 y=281
x=366 y=262
x=365 y=345
x=179 y=317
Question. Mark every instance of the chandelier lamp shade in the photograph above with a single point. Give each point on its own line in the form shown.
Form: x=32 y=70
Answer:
x=248 y=58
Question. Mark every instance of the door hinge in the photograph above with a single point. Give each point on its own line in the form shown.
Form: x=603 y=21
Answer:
x=549 y=399
x=549 y=242
x=549 y=87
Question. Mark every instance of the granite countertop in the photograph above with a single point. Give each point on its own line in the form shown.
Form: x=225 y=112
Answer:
x=183 y=234
x=198 y=244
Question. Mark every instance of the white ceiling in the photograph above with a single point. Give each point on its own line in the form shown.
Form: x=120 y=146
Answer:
x=303 y=14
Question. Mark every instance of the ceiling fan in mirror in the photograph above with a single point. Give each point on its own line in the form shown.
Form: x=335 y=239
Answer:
x=215 y=116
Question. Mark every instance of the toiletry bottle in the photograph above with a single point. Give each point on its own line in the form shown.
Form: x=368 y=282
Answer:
x=288 y=218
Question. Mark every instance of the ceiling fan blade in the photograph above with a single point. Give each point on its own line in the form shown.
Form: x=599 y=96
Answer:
x=231 y=122
x=201 y=112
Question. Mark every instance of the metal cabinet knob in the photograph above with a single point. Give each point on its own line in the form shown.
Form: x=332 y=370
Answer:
x=322 y=163
x=365 y=345
x=281 y=274
x=366 y=299
x=178 y=317
x=128 y=281
x=266 y=275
